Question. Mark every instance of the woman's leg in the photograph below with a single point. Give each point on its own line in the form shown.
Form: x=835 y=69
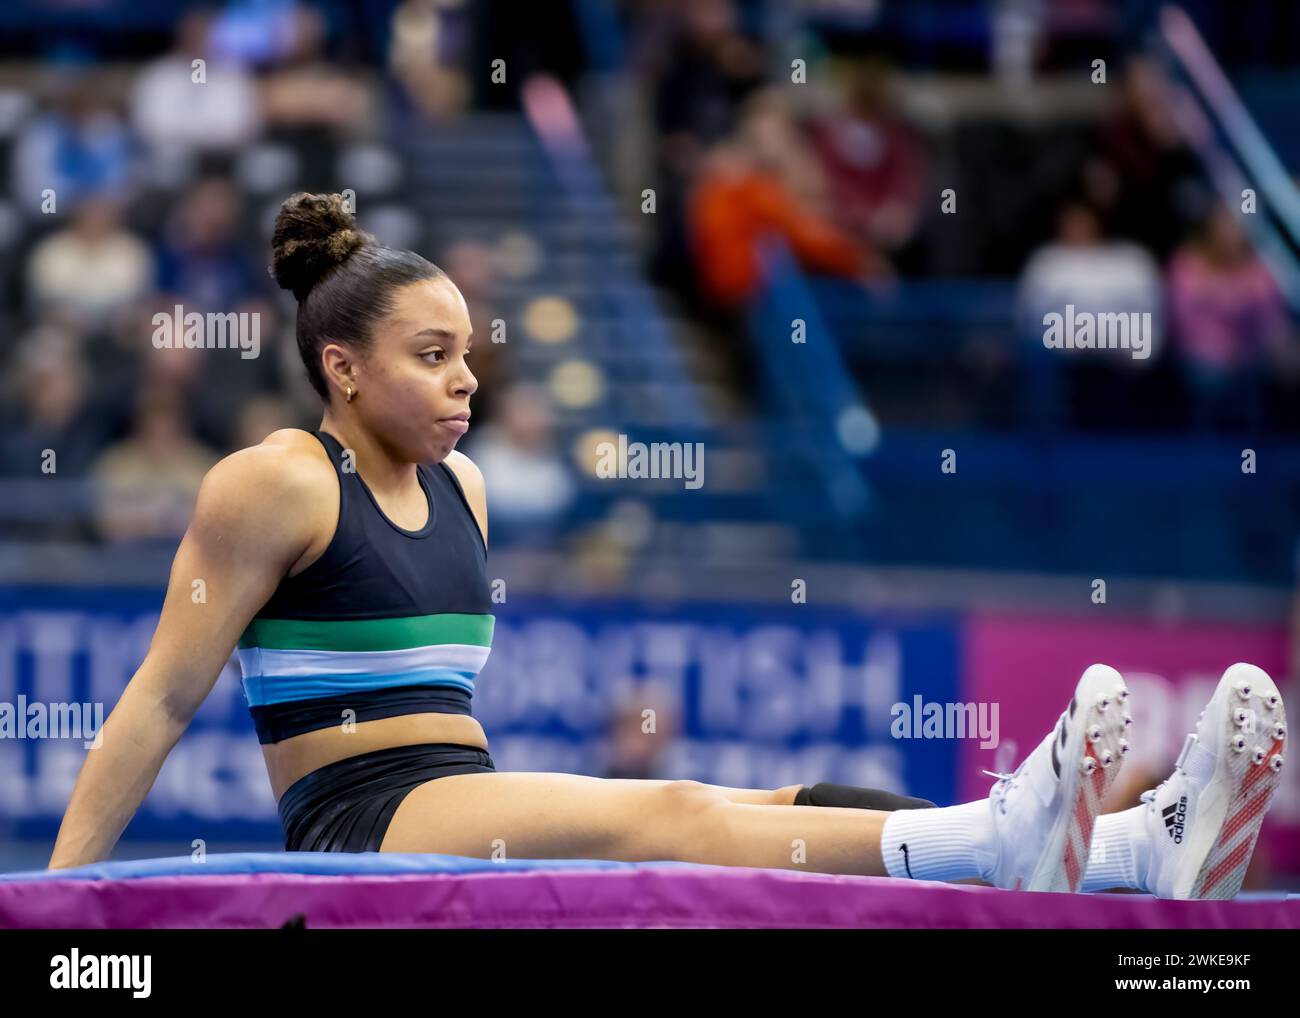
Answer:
x=825 y=793
x=760 y=796
x=1033 y=831
x=527 y=815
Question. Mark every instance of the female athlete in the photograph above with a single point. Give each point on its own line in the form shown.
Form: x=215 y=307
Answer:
x=348 y=566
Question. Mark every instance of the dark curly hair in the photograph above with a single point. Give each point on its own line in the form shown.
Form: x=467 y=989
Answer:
x=342 y=278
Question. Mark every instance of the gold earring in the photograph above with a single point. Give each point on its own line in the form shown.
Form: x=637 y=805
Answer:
x=351 y=393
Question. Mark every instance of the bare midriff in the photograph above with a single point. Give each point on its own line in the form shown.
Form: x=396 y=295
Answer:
x=295 y=758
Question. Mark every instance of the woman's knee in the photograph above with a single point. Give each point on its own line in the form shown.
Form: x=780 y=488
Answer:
x=689 y=796
x=692 y=817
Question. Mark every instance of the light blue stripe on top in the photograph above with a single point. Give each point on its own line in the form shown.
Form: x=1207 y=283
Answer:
x=260 y=690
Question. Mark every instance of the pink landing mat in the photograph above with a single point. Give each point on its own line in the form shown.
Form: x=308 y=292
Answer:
x=370 y=890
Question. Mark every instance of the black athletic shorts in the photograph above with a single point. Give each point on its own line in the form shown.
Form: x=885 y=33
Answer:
x=346 y=806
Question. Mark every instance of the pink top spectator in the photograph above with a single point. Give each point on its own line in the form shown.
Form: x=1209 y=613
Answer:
x=1223 y=316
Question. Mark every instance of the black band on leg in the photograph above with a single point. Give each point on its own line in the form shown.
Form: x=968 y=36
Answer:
x=826 y=793
x=801 y=797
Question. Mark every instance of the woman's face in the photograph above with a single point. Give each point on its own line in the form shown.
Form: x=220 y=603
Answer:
x=413 y=384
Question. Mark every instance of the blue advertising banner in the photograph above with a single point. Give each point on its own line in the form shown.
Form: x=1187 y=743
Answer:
x=743 y=696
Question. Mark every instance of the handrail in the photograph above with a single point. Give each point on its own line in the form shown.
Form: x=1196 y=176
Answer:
x=1266 y=170
x=1250 y=150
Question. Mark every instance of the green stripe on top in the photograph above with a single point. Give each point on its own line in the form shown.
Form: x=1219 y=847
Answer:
x=369 y=634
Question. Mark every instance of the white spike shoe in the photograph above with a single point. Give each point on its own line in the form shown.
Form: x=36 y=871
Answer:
x=1043 y=813
x=1204 y=819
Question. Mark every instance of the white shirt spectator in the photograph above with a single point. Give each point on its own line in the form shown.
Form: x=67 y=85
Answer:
x=89 y=277
x=171 y=111
x=1108 y=276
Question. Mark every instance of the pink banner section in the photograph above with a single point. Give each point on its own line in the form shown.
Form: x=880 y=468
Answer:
x=1028 y=666
x=644 y=896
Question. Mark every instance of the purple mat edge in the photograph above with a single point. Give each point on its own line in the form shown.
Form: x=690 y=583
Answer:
x=703 y=896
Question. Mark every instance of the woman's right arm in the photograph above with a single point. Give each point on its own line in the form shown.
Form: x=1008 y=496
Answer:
x=257 y=513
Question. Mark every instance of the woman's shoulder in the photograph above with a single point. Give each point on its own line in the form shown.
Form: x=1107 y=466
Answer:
x=471 y=482
x=466 y=471
x=288 y=472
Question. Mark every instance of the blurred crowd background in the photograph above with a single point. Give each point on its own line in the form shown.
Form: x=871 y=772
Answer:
x=643 y=203
x=927 y=178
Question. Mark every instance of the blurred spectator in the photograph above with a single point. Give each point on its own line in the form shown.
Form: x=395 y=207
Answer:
x=50 y=410
x=698 y=68
x=643 y=725
x=773 y=133
x=147 y=483
x=874 y=161
x=1080 y=266
x=76 y=149
x=1228 y=318
x=200 y=261
x=1146 y=179
x=756 y=185
x=91 y=267
x=426 y=54
x=212 y=385
x=1097 y=275
x=307 y=91
x=177 y=115
x=531 y=484
x=706 y=68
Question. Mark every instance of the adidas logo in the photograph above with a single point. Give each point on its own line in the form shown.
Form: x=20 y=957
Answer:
x=1175 y=815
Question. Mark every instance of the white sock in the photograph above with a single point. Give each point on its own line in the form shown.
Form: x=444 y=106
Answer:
x=952 y=843
x=1120 y=852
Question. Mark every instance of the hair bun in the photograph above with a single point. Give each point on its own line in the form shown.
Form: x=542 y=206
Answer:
x=313 y=234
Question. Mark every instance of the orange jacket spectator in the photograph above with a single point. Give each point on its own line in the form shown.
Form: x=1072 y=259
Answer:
x=731 y=210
